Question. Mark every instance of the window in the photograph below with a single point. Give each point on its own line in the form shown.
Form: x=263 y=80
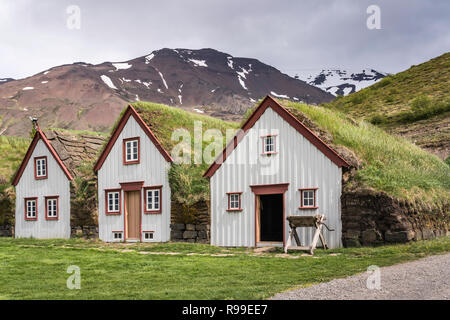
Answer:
x=148 y=235
x=113 y=201
x=234 y=201
x=308 y=198
x=117 y=235
x=131 y=150
x=153 y=199
x=51 y=208
x=40 y=167
x=30 y=208
x=269 y=144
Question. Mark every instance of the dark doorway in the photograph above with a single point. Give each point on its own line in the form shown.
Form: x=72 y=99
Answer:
x=271 y=217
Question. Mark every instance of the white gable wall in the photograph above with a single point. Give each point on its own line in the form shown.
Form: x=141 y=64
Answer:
x=57 y=184
x=153 y=170
x=301 y=165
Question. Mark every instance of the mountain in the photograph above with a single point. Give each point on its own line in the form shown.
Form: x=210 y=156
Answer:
x=341 y=82
x=414 y=103
x=5 y=80
x=89 y=97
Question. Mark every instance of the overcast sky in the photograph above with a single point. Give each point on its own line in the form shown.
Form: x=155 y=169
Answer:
x=292 y=36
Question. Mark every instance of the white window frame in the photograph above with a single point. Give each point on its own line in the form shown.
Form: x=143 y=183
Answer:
x=234 y=201
x=151 y=206
x=272 y=144
x=151 y=235
x=306 y=196
x=115 y=235
x=134 y=155
x=28 y=216
x=52 y=210
x=41 y=167
x=116 y=206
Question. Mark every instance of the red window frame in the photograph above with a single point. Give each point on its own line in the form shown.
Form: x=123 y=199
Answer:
x=35 y=168
x=57 y=207
x=302 y=207
x=274 y=136
x=25 y=202
x=239 y=193
x=113 y=213
x=160 y=199
x=124 y=147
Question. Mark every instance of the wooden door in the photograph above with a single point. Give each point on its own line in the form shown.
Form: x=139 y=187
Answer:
x=133 y=214
x=257 y=219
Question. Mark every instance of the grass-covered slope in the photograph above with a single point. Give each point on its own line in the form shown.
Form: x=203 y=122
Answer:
x=389 y=163
x=414 y=103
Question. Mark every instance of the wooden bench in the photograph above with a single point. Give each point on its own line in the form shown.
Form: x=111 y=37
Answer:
x=316 y=222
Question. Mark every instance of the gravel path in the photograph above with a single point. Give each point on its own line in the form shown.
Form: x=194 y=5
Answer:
x=424 y=279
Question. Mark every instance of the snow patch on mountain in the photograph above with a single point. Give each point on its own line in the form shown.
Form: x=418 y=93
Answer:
x=198 y=63
x=340 y=81
x=122 y=66
x=282 y=96
x=242 y=83
x=163 y=80
x=107 y=80
x=28 y=88
x=149 y=57
x=230 y=62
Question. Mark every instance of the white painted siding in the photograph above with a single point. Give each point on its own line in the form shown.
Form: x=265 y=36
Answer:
x=153 y=170
x=299 y=163
x=57 y=184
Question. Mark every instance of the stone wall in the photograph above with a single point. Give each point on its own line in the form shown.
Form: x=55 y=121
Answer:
x=86 y=232
x=181 y=232
x=190 y=223
x=6 y=231
x=372 y=218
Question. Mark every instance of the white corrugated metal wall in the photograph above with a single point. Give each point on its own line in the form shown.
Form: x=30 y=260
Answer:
x=152 y=169
x=299 y=163
x=57 y=184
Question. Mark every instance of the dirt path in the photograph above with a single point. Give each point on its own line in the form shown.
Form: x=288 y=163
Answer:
x=424 y=279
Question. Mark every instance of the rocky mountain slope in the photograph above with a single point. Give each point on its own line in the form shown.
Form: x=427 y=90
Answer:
x=339 y=81
x=5 y=80
x=89 y=97
x=414 y=103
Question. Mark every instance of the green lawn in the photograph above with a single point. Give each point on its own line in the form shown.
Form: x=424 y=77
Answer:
x=36 y=269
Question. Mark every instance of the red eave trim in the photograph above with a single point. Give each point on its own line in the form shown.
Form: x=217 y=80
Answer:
x=39 y=135
x=130 y=111
x=269 y=102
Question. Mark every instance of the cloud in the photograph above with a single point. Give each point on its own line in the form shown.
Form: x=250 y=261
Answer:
x=290 y=35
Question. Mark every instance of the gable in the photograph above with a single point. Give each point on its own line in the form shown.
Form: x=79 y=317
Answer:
x=39 y=136
x=269 y=102
x=129 y=113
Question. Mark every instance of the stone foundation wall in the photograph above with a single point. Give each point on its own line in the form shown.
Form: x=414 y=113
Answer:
x=86 y=232
x=373 y=218
x=190 y=223
x=181 y=232
x=7 y=231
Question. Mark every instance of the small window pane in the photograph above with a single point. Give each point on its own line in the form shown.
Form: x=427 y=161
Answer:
x=153 y=200
x=113 y=202
x=269 y=144
x=132 y=150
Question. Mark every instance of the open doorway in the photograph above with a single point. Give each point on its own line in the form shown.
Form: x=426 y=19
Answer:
x=271 y=218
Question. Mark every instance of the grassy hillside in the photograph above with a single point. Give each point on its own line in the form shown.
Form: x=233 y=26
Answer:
x=389 y=163
x=414 y=103
x=12 y=151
